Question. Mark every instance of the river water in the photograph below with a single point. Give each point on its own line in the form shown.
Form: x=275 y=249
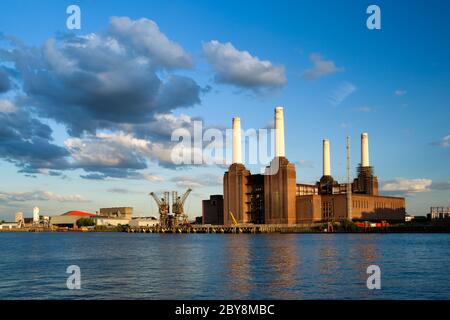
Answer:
x=224 y=266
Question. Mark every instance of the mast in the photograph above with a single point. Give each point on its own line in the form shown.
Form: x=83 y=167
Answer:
x=349 y=184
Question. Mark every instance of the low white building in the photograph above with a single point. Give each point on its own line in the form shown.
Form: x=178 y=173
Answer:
x=143 y=222
x=111 y=222
x=9 y=225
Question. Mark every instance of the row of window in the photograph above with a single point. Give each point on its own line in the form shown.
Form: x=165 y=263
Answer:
x=384 y=205
x=361 y=204
x=327 y=209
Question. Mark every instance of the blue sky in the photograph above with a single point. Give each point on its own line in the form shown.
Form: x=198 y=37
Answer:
x=333 y=76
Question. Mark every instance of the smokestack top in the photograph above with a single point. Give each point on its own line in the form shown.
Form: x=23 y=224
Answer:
x=279 y=132
x=365 y=149
x=326 y=157
x=237 y=148
x=279 y=112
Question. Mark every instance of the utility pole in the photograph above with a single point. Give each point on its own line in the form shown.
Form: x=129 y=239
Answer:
x=349 y=183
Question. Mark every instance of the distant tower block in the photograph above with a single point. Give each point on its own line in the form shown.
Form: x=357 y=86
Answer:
x=279 y=132
x=326 y=158
x=364 y=150
x=237 y=140
x=235 y=183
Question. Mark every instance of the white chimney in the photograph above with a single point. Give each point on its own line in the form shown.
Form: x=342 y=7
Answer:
x=279 y=132
x=237 y=148
x=326 y=157
x=35 y=214
x=364 y=149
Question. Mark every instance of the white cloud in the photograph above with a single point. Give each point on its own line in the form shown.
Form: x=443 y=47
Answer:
x=7 y=106
x=407 y=186
x=107 y=150
x=240 y=68
x=197 y=181
x=122 y=155
x=444 y=142
x=39 y=196
x=145 y=36
x=400 y=93
x=305 y=164
x=152 y=178
x=117 y=80
x=341 y=93
x=364 y=109
x=84 y=81
x=164 y=124
x=320 y=67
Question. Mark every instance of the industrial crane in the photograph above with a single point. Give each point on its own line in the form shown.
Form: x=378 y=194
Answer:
x=163 y=206
x=178 y=206
x=234 y=219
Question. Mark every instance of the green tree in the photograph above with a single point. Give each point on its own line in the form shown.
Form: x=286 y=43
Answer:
x=85 y=222
x=348 y=226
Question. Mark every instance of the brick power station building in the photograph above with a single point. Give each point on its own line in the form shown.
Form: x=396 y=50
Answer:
x=276 y=198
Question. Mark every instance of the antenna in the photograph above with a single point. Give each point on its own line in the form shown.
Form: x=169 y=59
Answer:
x=349 y=184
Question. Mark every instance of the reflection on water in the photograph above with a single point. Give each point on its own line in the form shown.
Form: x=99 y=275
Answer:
x=238 y=259
x=282 y=263
x=224 y=266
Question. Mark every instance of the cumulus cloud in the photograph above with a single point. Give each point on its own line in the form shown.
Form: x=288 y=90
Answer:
x=39 y=196
x=407 y=186
x=164 y=124
x=342 y=92
x=108 y=150
x=123 y=155
x=320 y=67
x=401 y=186
x=102 y=80
x=27 y=142
x=116 y=155
x=121 y=81
x=144 y=35
x=240 y=68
